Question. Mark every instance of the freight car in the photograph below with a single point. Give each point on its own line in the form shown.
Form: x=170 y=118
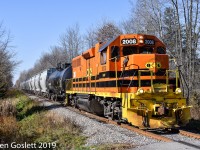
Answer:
x=38 y=83
x=49 y=83
x=56 y=83
x=128 y=79
x=44 y=76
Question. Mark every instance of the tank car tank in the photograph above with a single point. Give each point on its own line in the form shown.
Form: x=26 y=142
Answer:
x=37 y=83
x=43 y=80
x=56 y=82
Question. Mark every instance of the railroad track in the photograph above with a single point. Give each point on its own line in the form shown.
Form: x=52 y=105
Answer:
x=189 y=134
x=146 y=133
x=140 y=131
x=131 y=128
x=108 y=121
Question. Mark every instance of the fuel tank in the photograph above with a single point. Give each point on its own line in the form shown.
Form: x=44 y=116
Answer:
x=89 y=104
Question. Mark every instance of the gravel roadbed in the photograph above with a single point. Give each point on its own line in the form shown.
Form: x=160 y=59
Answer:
x=100 y=133
x=185 y=140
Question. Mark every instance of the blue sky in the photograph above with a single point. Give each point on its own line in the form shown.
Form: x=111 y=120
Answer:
x=35 y=25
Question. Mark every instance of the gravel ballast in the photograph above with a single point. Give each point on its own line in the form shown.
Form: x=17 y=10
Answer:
x=99 y=133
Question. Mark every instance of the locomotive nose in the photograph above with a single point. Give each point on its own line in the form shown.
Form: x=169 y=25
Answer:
x=154 y=62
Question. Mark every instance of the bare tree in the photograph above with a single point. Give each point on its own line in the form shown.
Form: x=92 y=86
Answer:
x=170 y=32
x=90 y=38
x=71 y=42
x=146 y=18
x=188 y=33
x=107 y=31
x=7 y=61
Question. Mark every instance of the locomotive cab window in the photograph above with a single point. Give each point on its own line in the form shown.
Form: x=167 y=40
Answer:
x=103 y=56
x=146 y=50
x=161 y=50
x=128 y=50
x=114 y=53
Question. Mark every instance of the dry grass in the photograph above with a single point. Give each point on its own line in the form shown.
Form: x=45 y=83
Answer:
x=8 y=129
x=54 y=120
x=23 y=120
x=7 y=107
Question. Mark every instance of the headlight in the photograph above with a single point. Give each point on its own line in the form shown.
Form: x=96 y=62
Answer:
x=178 y=91
x=140 y=91
x=141 y=41
x=141 y=37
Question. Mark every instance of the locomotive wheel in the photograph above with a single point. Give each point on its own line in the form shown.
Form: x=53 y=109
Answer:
x=54 y=98
x=174 y=130
x=145 y=121
x=112 y=116
x=115 y=115
x=73 y=102
x=49 y=96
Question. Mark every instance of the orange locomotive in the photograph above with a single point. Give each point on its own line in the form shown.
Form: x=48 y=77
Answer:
x=127 y=79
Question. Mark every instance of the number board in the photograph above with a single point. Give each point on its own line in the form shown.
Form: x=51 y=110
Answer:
x=149 y=42
x=128 y=41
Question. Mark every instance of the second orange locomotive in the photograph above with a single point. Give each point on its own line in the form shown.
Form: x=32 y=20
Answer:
x=127 y=79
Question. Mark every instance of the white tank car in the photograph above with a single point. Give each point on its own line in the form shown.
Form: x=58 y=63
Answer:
x=29 y=84
x=26 y=86
x=22 y=85
x=37 y=84
x=32 y=85
x=43 y=80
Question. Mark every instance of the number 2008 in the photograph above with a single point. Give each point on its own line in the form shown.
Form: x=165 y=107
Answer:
x=128 y=41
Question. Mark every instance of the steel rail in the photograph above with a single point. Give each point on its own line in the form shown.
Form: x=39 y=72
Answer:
x=189 y=134
x=131 y=128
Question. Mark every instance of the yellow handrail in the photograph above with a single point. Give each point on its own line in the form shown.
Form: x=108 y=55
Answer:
x=139 y=80
x=176 y=74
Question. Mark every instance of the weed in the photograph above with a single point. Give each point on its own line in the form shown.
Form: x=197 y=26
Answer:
x=7 y=108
